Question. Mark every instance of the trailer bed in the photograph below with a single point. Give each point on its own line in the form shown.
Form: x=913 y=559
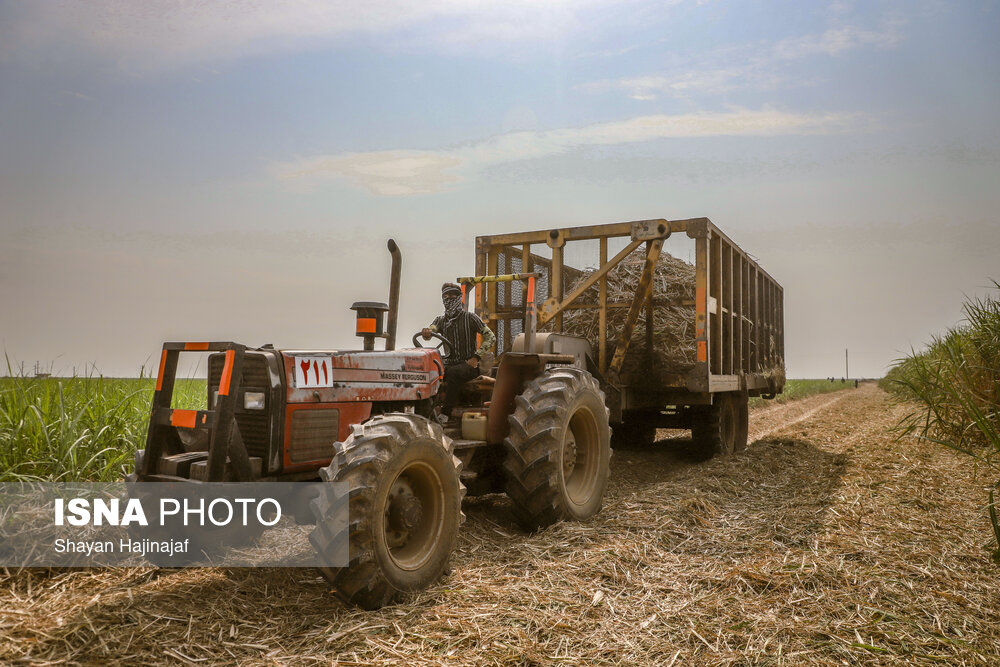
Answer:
x=735 y=331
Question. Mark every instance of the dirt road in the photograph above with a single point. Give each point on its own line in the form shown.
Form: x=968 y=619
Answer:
x=826 y=542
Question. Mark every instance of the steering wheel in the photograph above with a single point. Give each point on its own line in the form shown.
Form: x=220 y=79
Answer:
x=443 y=347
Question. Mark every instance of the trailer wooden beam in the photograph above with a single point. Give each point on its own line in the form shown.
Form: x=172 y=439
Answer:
x=556 y=286
x=649 y=311
x=633 y=312
x=715 y=288
x=602 y=316
x=491 y=290
x=589 y=232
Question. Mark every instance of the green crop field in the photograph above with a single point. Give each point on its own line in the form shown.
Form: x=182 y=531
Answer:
x=953 y=386
x=87 y=428
x=82 y=428
x=801 y=388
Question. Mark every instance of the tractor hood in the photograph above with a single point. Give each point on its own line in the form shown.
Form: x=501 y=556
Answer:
x=331 y=376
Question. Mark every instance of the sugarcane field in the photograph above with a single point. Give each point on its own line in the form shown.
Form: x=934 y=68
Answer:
x=613 y=332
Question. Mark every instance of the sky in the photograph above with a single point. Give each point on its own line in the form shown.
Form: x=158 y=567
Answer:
x=232 y=170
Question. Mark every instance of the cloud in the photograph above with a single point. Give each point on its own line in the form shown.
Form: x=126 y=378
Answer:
x=835 y=41
x=382 y=172
x=684 y=84
x=409 y=172
x=157 y=34
x=77 y=95
x=750 y=66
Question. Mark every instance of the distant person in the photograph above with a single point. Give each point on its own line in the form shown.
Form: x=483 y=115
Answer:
x=460 y=327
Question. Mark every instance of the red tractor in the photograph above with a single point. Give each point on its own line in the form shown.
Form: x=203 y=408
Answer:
x=536 y=427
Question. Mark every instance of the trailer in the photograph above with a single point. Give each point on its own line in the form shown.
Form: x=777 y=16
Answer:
x=735 y=331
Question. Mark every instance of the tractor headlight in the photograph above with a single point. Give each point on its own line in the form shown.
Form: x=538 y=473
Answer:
x=253 y=400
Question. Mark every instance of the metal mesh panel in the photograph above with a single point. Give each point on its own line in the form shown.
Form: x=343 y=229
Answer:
x=502 y=325
x=510 y=297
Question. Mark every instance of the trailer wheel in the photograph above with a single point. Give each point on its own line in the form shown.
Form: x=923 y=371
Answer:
x=404 y=505
x=558 y=449
x=720 y=429
x=742 y=421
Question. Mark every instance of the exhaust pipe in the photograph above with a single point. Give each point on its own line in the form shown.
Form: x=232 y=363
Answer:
x=397 y=263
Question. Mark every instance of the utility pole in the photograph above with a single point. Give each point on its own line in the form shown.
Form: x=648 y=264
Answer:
x=847 y=367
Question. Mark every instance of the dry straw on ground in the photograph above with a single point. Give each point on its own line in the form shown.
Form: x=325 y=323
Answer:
x=825 y=543
x=673 y=314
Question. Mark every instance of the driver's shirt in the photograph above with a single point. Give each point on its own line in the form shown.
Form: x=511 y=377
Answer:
x=461 y=332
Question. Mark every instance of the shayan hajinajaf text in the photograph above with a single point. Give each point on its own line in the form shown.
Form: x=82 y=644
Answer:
x=125 y=546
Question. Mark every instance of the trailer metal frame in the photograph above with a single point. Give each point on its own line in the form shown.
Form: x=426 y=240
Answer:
x=739 y=316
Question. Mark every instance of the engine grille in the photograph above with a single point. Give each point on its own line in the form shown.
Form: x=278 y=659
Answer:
x=254 y=426
x=313 y=434
x=255 y=373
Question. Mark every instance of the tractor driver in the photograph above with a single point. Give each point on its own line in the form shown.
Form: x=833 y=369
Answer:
x=460 y=327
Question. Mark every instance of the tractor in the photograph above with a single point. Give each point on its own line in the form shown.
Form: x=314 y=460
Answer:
x=536 y=427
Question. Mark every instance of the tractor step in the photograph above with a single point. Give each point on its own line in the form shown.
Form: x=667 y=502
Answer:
x=199 y=469
x=179 y=465
x=459 y=443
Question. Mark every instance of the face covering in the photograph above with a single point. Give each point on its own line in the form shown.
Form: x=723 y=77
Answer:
x=452 y=306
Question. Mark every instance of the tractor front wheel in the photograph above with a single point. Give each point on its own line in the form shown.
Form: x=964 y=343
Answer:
x=558 y=449
x=404 y=507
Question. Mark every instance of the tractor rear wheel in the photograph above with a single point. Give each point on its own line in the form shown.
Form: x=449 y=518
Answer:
x=721 y=429
x=404 y=507
x=558 y=449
